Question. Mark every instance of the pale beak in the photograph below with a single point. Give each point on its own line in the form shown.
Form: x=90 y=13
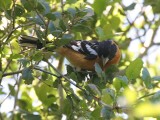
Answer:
x=105 y=60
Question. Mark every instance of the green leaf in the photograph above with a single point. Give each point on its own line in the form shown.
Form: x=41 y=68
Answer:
x=37 y=20
x=99 y=6
x=24 y=62
x=67 y=107
x=146 y=78
x=156 y=78
x=83 y=105
x=27 y=5
x=115 y=22
x=62 y=25
x=66 y=38
x=23 y=104
x=56 y=33
x=1 y=73
x=70 y=69
x=31 y=117
x=51 y=27
x=107 y=113
x=51 y=16
x=54 y=107
x=98 y=69
x=5 y=4
x=27 y=75
x=71 y=1
x=80 y=28
x=156 y=97
x=45 y=94
x=15 y=56
x=130 y=7
x=96 y=113
x=120 y=82
x=75 y=98
x=18 y=10
x=108 y=96
x=40 y=6
x=95 y=90
x=101 y=34
x=12 y=90
x=40 y=36
x=72 y=12
x=73 y=76
x=38 y=56
x=134 y=69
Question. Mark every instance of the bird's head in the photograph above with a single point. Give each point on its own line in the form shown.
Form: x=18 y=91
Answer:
x=109 y=52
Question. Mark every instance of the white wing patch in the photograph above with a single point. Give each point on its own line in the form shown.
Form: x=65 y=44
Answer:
x=76 y=48
x=92 y=51
x=84 y=47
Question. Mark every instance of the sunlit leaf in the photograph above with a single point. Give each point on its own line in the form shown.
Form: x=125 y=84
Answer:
x=5 y=4
x=108 y=95
x=99 y=6
x=149 y=109
x=131 y=95
x=15 y=56
x=115 y=22
x=67 y=107
x=134 y=69
x=45 y=94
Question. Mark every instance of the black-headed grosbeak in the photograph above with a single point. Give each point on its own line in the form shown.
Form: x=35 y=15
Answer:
x=83 y=54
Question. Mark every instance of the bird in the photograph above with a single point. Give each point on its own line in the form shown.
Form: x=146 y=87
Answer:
x=82 y=54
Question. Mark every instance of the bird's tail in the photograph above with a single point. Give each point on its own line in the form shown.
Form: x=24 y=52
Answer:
x=28 y=41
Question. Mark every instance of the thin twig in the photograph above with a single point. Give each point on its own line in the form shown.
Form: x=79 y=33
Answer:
x=12 y=73
x=62 y=5
x=36 y=68
x=7 y=95
x=146 y=95
x=16 y=96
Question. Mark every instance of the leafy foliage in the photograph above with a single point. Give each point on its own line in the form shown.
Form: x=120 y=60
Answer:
x=37 y=85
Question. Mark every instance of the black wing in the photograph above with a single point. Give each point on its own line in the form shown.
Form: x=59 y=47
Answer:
x=89 y=49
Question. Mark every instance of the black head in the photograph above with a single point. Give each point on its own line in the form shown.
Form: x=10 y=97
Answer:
x=107 y=49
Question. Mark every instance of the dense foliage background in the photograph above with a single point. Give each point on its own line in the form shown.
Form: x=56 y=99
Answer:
x=36 y=84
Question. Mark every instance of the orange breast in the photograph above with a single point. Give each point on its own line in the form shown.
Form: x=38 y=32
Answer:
x=78 y=59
